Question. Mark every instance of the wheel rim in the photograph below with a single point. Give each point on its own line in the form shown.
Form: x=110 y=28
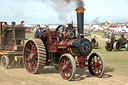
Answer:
x=97 y=68
x=65 y=67
x=30 y=56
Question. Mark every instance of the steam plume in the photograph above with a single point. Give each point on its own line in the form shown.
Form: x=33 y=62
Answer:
x=63 y=7
x=79 y=3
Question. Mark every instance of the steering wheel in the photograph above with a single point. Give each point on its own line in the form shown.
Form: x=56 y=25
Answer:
x=60 y=28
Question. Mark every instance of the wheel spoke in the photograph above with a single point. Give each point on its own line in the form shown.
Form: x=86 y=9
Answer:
x=63 y=64
x=32 y=65
x=68 y=62
x=99 y=68
x=28 y=50
x=69 y=69
x=36 y=52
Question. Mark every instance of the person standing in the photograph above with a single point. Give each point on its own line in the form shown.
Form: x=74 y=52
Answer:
x=39 y=30
x=47 y=29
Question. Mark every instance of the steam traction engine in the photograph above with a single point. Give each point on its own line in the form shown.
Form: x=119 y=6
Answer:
x=60 y=48
x=11 y=45
x=117 y=44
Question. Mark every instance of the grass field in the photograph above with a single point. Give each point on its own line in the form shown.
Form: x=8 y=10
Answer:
x=29 y=35
x=101 y=33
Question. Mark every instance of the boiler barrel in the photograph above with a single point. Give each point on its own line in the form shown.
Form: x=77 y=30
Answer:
x=78 y=47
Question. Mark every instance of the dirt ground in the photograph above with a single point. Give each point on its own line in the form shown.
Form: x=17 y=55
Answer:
x=49 y=76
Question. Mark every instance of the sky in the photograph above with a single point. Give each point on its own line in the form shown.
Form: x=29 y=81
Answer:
x=44 y=12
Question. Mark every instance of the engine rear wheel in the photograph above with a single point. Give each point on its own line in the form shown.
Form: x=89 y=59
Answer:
x=5 y=61
x=67 y=66
x=34 y=56
x=97 y=63
x=117 y=46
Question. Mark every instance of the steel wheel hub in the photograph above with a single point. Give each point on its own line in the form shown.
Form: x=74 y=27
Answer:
x=32 y=55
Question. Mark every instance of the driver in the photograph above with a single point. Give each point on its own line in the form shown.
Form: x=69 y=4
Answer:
x=94 y=39
x=39 y=30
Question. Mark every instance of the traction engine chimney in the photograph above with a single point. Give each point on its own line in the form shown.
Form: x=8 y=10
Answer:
x=80 y=21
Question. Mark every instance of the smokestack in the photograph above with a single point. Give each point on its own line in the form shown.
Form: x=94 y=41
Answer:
x=80 y=21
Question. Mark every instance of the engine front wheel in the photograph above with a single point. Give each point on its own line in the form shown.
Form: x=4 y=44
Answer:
x=67 y=66
x=34 y=56
x=97 y=64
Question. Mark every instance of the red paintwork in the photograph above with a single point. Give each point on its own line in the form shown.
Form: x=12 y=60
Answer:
x=82 y=62
x=52 y=37
x=49 y=40
x=53 y=48
x=68 y=42
x=80 y=59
